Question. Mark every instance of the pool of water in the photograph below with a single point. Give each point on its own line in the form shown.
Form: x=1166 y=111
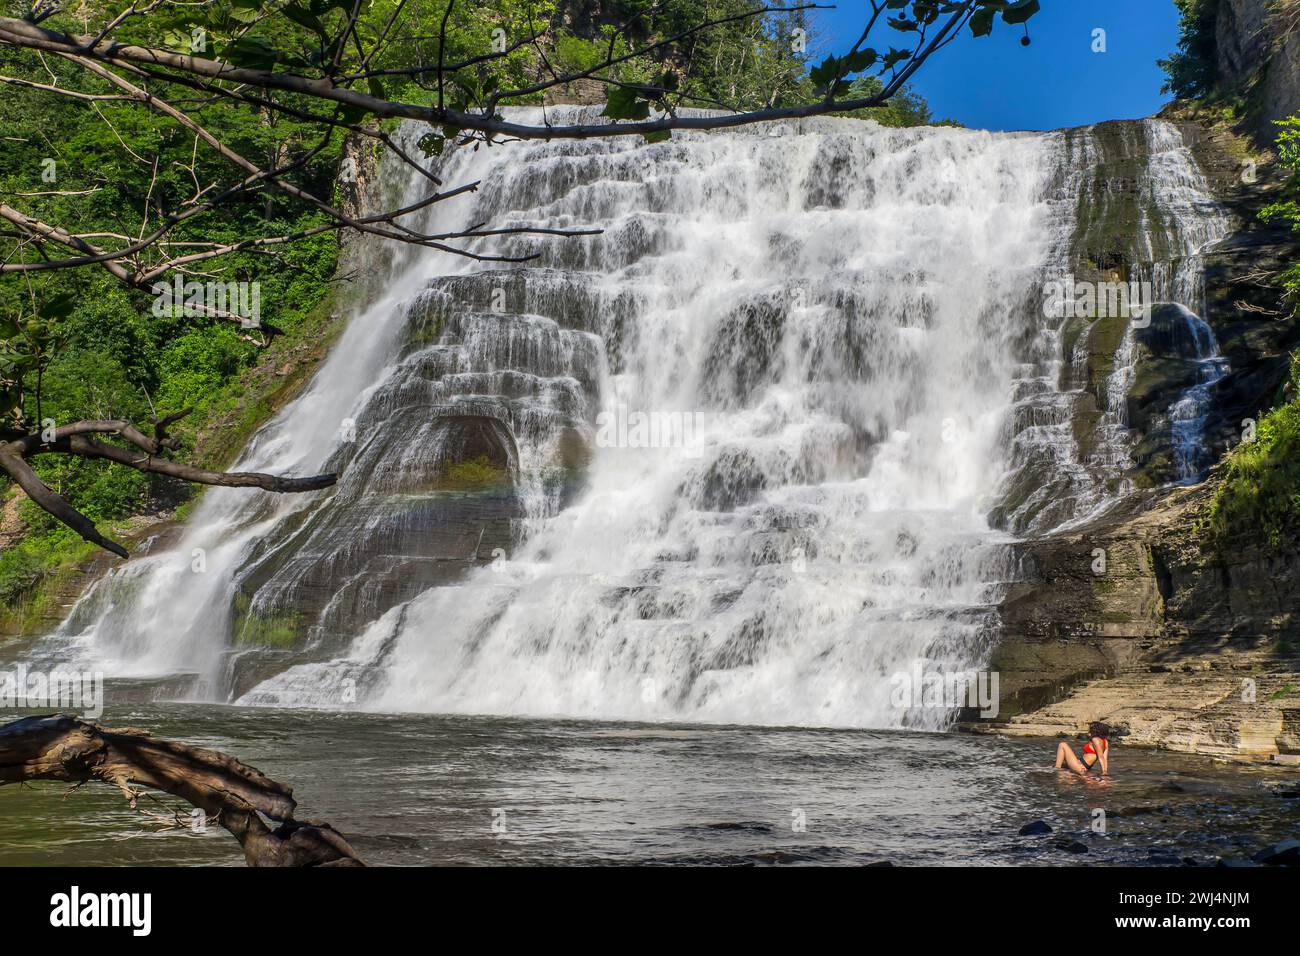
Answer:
x=418 y=789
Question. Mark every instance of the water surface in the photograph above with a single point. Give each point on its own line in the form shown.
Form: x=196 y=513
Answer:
x=422 y=789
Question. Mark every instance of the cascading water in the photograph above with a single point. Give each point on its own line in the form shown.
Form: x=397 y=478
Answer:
x=1143 y=214
x=1190 y=222
x=842 y=323
x=1188 y=415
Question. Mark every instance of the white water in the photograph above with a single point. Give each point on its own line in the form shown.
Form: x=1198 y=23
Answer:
x=889 y=302
x=1193 y=222
x=1188 y=415
x=855 y=314
x=169 y=613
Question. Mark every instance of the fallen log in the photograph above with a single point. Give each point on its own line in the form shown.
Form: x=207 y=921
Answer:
x=240 y=798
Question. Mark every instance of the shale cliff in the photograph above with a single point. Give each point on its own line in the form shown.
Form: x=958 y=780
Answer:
x=1138 y=616
x=1258 y=58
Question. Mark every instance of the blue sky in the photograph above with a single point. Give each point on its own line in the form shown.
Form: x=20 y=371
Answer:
x=995 y=83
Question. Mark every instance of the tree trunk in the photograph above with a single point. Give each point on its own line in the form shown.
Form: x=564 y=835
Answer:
x=58 y=747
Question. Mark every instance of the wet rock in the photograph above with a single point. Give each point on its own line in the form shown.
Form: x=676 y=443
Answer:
x=734 y=480
x=881 y=863
x=1072 y=847
x=746 y=826
x=745 y=353
x=905 y=544
x=1190 y=861
x=1037 y=828
x=1233 y=861
x=1285 y=853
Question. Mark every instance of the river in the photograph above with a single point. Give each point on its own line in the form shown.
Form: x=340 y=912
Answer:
x=459 y=790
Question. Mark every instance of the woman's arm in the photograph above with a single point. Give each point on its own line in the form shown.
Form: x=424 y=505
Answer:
x=1103 y=753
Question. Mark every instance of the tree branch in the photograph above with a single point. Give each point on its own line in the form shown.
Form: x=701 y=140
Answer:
x=73 y=440
x=59 y=747
x=23 y=34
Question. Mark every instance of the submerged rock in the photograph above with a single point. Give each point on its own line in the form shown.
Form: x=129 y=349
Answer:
x=1285 y=853
x=1037 y=828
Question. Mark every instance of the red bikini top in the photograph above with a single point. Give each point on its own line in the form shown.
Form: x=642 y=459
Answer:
x=1105 y=746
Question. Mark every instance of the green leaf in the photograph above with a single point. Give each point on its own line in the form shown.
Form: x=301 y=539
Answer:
x=1020 y=11
x=252 y=53
x=925 y=11
x=431 y=144
x=623 y=103
x=823 y=73
x=306 y=18
x=861 y=60
x=894 y=57
x=58 y=307
x=658 y=136
x=177 y=40
x=352 y=115
x=981 y=22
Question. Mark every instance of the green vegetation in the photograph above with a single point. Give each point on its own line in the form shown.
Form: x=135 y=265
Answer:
x=1192 y=70
x=473 y=473
x=1259 y=499
x=278 y=629
x=1257 y=502
x=32 y=574
x=77 y=344
x=1260 y=494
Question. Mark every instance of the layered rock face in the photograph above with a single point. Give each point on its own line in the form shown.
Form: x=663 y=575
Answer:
x=1132 y=616
x=1259 y=55
x=1134 y=620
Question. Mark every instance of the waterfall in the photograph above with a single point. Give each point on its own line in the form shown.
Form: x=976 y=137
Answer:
x=759 y=446
x=1188 y=415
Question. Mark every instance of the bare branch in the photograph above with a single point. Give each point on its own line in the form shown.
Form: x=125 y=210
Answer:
x=73 y=439
x=16 y=468
x=59 y=747
x=23 y=34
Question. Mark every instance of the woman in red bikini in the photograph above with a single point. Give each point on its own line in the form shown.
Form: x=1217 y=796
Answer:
x=1095 y=751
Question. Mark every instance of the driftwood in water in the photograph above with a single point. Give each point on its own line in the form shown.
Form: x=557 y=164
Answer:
x=238 y=797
